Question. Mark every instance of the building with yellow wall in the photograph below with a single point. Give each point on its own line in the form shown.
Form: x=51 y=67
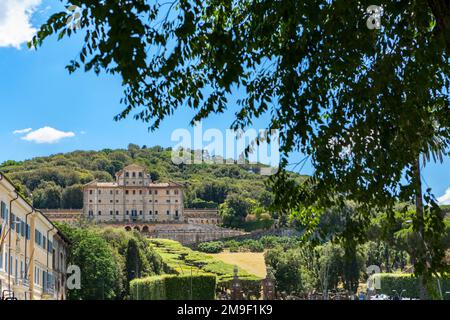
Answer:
x=133 y=197
x=32 y=250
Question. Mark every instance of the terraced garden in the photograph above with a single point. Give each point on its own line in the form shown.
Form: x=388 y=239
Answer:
x=182 y=260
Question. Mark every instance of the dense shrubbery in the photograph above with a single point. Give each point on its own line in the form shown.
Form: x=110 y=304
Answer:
x=174 y=287
x=211 y=247
x=109 y=258
x=302 y=269
x=410 y=284
x=265 y=242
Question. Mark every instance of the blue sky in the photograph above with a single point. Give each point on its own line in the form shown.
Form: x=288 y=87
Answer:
x=75 y=112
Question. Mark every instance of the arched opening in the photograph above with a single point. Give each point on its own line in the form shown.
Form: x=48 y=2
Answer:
x=128 y=228
x=145 y=229
x=137 y=228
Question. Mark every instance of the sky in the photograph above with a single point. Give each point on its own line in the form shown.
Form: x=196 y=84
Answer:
x=44 y=110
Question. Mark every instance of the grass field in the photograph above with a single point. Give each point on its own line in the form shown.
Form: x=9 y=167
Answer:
x=252 y=262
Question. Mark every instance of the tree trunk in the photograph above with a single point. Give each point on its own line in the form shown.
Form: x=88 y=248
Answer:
x=421 y=250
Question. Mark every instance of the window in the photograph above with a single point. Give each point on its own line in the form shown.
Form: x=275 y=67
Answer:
x=140 y=175
x=150 y=212
x=99 y=201
x=127 y=212
x=100 y=213
x=176 y=213
x=126 y=192
x=90 y=191
x=110 y=212
x=3 y=210
x=156 y=212
x=111 y=201
x=149 y=191
x=38 y=237
x=117 y=213
x=156 y=201
x=99 y=191
x=167 y=191
x=44 y=242
x=134 y=174
x=110 y=192
x=176 y=191
x=140 y=212
x=156 y=191
x=117 y=191
x=134 y=191
x=19 y=225
x=90 y=201
x=168 y=212
x=140 y=191
x=168 y=201
x=91 y=213
x=127 y=174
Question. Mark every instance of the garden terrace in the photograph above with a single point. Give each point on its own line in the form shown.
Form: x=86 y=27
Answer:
x=181 y=260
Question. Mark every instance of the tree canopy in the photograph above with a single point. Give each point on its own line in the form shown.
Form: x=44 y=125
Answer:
x=362 y=104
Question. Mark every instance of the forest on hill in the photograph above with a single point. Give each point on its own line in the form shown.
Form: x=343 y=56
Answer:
x=56 y=181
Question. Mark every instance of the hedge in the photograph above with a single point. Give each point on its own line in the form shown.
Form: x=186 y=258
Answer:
x=174 y=287
x=399 y=282
x=211 y=247
x=181 y=260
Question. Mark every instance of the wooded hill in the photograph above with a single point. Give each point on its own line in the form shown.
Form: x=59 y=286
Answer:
x=55 y=181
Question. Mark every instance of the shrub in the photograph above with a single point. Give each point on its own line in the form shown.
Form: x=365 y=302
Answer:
x=399 y=282
x=150 y=288
x=211 y=247
x=254 y=246
x=174 y=287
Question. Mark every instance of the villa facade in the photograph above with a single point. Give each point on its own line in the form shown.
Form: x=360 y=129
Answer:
x=133 y=197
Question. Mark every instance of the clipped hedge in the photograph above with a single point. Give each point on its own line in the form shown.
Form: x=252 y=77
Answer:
x=174 y=287
x=150 y=288
x=181 y=260
x=211 y=247
x=399 y=282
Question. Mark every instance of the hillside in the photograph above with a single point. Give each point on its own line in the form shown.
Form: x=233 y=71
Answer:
x=55 y=181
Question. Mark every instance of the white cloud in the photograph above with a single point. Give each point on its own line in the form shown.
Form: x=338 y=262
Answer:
x=15 y=25
x=445 y=198
x=21 y=131
x=47 y=135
